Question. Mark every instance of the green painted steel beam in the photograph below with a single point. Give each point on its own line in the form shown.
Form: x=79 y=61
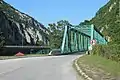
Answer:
x=64 y=39
x=77 y=38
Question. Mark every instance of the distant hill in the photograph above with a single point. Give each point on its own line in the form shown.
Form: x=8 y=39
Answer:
x=19 y=28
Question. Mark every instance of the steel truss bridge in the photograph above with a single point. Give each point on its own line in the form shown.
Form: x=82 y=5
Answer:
x=75 y=39
x=78 y=38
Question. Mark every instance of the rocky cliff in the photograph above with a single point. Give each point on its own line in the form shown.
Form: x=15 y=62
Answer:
x=19 y=28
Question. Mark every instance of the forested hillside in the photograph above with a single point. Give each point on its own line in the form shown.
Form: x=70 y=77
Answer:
x=107 y=19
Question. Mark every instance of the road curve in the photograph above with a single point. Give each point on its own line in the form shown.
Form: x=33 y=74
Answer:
x=39 y=68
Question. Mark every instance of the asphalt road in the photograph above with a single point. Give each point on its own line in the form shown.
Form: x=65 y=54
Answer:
x=39 y=68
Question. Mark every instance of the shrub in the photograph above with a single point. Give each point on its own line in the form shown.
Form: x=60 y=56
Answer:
x=108 y=51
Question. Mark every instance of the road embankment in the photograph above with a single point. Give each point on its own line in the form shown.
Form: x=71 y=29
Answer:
x=93 y=67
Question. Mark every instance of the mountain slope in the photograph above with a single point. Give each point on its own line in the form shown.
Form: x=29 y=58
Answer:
x=107 y=19
x=19 y=28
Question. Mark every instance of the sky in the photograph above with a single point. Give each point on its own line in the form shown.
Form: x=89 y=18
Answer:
x=50 y=11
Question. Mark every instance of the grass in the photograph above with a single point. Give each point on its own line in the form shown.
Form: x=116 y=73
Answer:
x=27 y=55
x=98 y=62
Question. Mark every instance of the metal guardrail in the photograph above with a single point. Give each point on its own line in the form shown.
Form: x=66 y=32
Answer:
x=39 y=47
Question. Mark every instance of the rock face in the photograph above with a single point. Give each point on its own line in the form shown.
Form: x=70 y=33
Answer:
x=107 y=20
x=19 y=28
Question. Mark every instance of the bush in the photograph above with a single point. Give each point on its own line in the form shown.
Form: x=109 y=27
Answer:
x=108 y=51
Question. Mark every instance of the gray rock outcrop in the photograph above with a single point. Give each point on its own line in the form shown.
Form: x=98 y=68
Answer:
x=19 y=28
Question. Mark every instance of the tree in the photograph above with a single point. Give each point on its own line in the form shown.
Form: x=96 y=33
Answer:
x=2 y=40
x=56 y=33
x=86 y=22
x=40 y=43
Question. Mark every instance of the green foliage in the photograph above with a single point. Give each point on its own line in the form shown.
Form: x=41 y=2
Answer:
x=109 y=19
x=111 y=51
x=100 y=66
x=10 y=11
x=2 y=40
x=86 y=22
x=40 y=43
x=56 y=33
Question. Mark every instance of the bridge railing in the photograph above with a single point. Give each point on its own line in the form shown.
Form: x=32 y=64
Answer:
x=11 y=49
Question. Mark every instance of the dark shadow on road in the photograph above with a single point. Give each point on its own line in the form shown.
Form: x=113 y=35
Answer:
x=73 y=53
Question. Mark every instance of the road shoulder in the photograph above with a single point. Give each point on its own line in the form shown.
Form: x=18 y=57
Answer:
x=93 y=67
x=80 y=71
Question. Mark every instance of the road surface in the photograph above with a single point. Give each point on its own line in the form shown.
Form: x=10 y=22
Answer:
x=39 y=68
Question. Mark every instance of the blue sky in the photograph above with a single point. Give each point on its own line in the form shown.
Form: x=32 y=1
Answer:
x=49 y=11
